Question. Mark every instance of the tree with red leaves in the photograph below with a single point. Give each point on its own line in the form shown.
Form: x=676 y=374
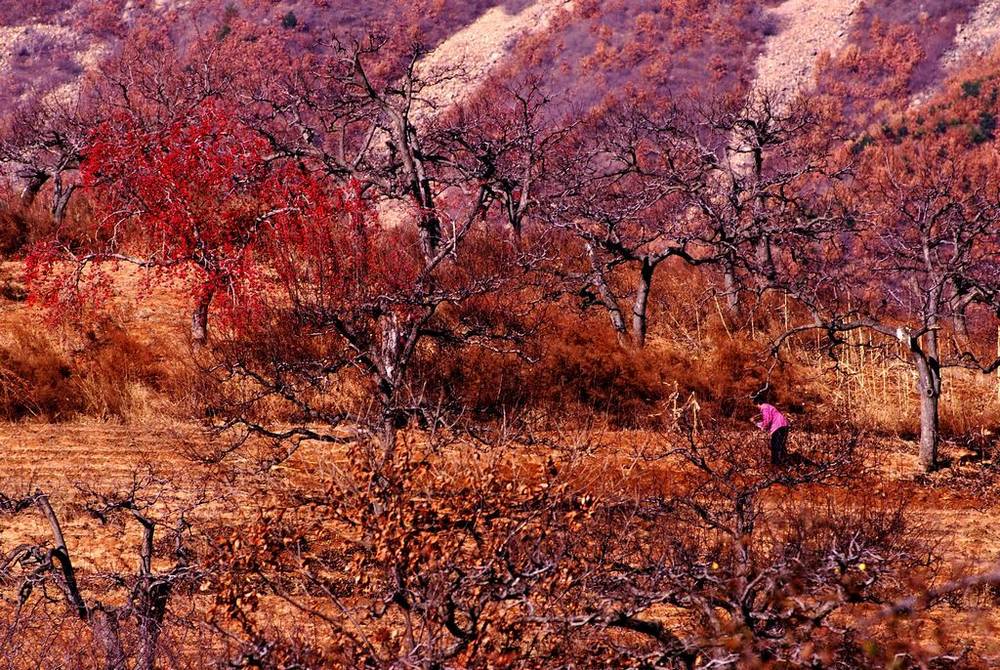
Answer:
x=266 y=212
x=194 y=199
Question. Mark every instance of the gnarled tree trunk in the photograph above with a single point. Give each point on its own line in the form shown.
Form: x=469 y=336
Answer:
x=929 y=387
x=34 y=181
x=61 y=194
x=640 y=307
x=153 y=593
x=199 y=318
x=731 y=288
x=150 y=610
x=610 y=303
x=107 y=634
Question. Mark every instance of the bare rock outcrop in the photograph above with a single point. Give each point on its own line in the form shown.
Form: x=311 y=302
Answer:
x=803 y=30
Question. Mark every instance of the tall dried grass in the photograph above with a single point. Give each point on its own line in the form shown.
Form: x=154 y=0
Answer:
x=114 y=376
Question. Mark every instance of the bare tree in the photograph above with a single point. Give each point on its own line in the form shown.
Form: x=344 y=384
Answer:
x=923 y=259
x=448 y=557
x=617 y=187
x=43 y=142
x=148 y=590
x=357 y=117
x=767 y=165
x=736 y=183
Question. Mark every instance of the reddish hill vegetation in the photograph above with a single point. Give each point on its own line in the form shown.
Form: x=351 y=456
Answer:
x=601 y=49
x=49 y=43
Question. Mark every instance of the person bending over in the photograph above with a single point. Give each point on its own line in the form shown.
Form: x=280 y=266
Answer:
x=776 y=425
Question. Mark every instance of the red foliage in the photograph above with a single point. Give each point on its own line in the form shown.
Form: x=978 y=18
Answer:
x=196 y=199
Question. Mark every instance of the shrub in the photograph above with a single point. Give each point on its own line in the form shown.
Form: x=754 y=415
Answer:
x=970 y=89
x=113 y=375
x=14 y=227
x=36 y=380
x=117 y=374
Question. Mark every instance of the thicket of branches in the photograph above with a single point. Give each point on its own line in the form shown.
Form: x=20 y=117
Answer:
x=358 y=264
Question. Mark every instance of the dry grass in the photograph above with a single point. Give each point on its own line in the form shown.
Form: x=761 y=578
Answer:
x=90 y=404
x=61 y=458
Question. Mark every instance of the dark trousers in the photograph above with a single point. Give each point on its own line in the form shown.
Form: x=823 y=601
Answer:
x=778 y=440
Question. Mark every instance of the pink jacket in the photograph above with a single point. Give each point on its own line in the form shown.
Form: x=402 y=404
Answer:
x=771 y=419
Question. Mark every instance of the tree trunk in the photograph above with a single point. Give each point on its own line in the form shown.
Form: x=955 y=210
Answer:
x=152 y=607
x=640 y=308
x=199 y=319
x=60 y=198
x=390 y=362
x=107 y=634
x=962 y=329
x=765 y=258
x=929 y=424
x=610 y=303
x=388 y=437
x=614 y=314
x=408 y=147
x=732 y=289
x=151 y=604
x=430 y=235
x=60 y=554
x=929 y=386
x=35 y=182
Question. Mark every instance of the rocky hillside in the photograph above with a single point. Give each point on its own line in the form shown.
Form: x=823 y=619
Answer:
x=47 y=45
x=869 y=52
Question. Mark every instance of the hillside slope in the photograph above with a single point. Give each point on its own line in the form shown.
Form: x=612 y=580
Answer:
x=584 y=50
x=803 y=30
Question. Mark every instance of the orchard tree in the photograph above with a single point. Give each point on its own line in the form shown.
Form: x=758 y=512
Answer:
x=925 y=257
x=181 y=186
x=194 y=199
x=618 y=189
x=766 y=167
x=360 y=111
x=737 y=182
x=43 y=142
x=126 y=630
x=354 y=313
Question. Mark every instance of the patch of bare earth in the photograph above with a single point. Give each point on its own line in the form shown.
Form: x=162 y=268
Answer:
x=803 y=30
x=977 y=37
x=459 y=64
